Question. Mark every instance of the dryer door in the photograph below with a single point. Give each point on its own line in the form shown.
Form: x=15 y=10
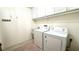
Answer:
x=52 y=43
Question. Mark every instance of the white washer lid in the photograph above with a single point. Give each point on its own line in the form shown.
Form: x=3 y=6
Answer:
x=60 y=34
x=58 y=31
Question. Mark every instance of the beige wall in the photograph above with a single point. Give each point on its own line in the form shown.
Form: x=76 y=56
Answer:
x=19 y=29
x=71 y=21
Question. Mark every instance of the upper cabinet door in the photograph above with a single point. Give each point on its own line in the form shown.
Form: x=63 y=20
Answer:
x=40 y=11
x=72 y=8
x=49 y=11
x=34 y=12
x=45 y=11
x=59 y=9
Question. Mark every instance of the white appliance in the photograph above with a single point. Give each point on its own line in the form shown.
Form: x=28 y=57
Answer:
x=38 y=35
x=55 y=39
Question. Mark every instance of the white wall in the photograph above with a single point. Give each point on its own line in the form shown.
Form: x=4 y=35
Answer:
x=71 y=21
x=19 y=29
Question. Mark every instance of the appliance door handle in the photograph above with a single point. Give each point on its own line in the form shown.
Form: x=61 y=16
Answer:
x=46 y=39
x=45 y=36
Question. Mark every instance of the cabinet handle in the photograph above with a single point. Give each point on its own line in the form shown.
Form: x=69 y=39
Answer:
x=45 y=36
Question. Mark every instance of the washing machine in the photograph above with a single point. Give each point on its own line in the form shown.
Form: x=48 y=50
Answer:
x=55 y=39
x=38 y=35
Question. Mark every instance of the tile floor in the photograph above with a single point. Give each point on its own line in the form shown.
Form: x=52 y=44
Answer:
x=28 y=47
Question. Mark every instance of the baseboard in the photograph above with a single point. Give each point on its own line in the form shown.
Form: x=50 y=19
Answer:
x=12 y=48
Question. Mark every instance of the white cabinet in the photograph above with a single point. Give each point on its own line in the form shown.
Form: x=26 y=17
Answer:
x=45 y=11
x=34 y=12
x=49 y=11
x=38 y=12
x=24 y=22
x=54 y=10
x=19 y=28
x=8 y=28
x=51 y=43
x=72 y=8
x=59 y=9
x=42 y=11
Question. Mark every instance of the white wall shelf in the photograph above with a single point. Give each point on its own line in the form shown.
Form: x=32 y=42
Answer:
x=57 y=14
